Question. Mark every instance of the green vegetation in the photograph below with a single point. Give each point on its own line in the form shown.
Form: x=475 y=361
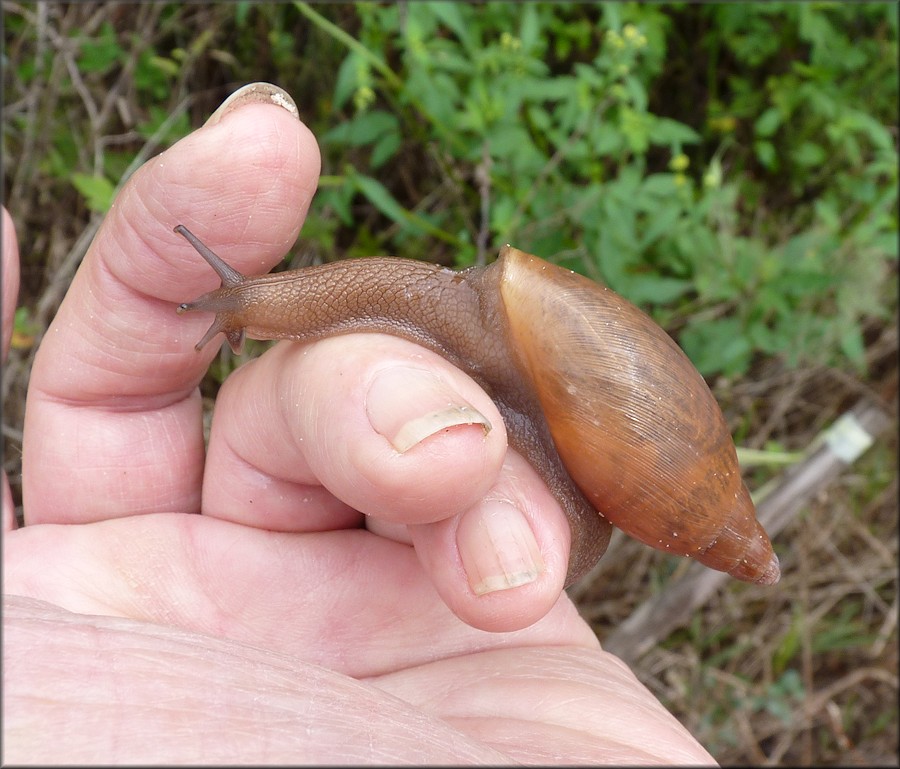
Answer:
x=747 y=197
x=730 y=167
x=762 y=222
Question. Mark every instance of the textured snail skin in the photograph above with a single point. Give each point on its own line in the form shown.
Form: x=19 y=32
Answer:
x=596 y=396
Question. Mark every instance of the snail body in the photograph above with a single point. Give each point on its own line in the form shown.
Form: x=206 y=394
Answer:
x=594 y=394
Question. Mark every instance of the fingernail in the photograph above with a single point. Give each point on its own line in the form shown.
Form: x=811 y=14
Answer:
x=498 y=548
x=407 y=406
x=254 y=93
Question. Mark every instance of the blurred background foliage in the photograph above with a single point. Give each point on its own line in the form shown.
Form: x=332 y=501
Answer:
x=731 y=168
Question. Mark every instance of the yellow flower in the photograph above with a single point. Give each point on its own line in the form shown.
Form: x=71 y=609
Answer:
x=615 y=39
x=509 y=42
x=723 y=123
x=679 y=163
x=363 y=97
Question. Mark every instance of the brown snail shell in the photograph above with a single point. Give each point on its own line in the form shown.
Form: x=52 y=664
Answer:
x=595 y=395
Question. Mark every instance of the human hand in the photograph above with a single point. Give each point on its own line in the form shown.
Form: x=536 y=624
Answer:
x=275 y=626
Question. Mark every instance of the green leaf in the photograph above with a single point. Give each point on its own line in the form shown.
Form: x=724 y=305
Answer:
x=380 y=197
x=853 y=346
x=348 y=78
x=385 y=148
x=364 y=128
x=24 y=323
x=158 y=115
x=451 y=16
x=662 y=221
x=655 y=289
x=636 y=128
x=241 y=11
x=810 y=155
x=151 y=75
x=529 y=30
x=717 y=346
x=765 y=153
x=97 y=191
x=767 y=123
x=662 y=185
x=339 y=200
x=637 y=93
x=165 y=65
x=606 y=140
x=100 y=54
x=668 y=131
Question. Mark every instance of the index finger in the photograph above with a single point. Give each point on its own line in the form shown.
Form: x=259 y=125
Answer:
x=112 y=425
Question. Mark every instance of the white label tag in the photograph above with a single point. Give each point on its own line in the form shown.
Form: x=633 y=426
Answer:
x=847 y=438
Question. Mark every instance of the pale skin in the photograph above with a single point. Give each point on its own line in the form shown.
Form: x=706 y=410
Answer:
x=281 y=624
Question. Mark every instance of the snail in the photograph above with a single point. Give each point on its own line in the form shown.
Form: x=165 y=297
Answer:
x=594 y=394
